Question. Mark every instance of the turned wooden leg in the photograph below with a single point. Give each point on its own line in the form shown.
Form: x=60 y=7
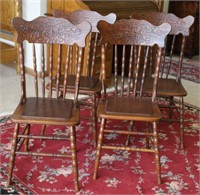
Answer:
x=27 y=132
x=43 y=129
x=98 y=152
x=12 y=155
x=94 y=120
x=157 y=153
x=171 y=104
x=147 y=137
x=182 y=123
x=74 y=157
x=132 y=124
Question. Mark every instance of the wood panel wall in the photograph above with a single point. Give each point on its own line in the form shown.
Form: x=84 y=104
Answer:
x=8 y=10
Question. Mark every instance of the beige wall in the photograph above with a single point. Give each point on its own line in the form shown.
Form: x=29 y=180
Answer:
x=166 y=6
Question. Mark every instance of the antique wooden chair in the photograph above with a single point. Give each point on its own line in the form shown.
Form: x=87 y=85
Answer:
x=171 y=87
x=128 y=102
x=89 y=80
x=44 y=109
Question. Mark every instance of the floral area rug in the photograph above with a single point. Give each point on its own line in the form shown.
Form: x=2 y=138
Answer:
x=120 y=172
x=189 y=71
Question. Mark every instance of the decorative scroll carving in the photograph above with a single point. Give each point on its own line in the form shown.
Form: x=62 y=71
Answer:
x=92 y=17
x=178 y=25
x=50 y=28
x=137 y=31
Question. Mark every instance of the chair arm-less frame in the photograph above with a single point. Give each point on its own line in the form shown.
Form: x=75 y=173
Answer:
x=46 y=109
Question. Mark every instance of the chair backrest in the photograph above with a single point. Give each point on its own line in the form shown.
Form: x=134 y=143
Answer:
x=179 y=27
x=42 y=34
x=93 y=38
x=136 y=38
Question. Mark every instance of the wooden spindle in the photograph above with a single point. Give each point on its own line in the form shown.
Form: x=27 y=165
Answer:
x=35 y=71
x=50 y=70
x=94 y=54
x=180 y=62
x=43 y=71
x=116 y=70
x=157 y=69
x=88 y=54
x=70 y=59
x=146 y=54
x=130 y=70
x=78 y=75
x=137 y=71
x=58 y=71
x=66 y=72
x=123 y=69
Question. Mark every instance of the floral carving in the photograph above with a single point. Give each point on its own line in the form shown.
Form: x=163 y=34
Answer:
x=51 y=30
x=136 y=31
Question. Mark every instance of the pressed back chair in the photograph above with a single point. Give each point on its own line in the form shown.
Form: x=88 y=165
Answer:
x=136 y=37
x=45 y=108
x=89 y=81
x=168 y=86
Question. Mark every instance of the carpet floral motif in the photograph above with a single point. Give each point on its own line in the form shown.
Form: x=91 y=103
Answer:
x=120 y=172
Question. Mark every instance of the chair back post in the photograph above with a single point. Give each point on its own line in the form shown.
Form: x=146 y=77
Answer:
x=157 y=70
x=22 y=73
x=103 y=72
x=79 y=63
x=180 y=61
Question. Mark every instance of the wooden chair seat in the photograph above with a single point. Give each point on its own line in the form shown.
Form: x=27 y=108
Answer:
x=46 y=110
x=129 y=108
x=166 y=87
